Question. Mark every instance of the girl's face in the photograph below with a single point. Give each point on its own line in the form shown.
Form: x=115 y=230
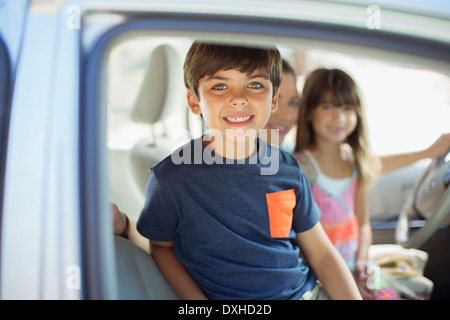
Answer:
x=288 y=106
x=331 y=123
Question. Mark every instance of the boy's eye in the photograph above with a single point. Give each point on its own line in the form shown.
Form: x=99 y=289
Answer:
x=255 y=85
x=220 y=86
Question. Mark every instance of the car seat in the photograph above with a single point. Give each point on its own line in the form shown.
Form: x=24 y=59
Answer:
x=159 y=97
x=138 y=276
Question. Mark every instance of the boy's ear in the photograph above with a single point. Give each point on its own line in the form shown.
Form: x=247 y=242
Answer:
x=193 y=103
x=274 y=106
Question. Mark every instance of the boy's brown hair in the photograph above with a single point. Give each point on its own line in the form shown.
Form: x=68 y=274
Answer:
x=206 y=59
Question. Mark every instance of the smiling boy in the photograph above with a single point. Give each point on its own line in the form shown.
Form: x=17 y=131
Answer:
x=223 y=230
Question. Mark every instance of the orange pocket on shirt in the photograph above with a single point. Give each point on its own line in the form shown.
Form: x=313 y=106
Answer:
x=280 y=205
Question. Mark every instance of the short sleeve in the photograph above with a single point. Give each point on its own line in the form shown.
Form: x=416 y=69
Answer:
x=306 y=212
x=159 y=219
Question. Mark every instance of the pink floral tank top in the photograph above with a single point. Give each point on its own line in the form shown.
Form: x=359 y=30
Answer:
x=336 y=200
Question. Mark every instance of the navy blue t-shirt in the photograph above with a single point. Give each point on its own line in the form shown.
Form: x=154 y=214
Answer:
x=234 y=228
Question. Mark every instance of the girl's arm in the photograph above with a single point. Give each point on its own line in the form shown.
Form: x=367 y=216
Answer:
x=393 y=162
x=365 y=241
x=327 y=264
x=175 y=272
x=365 y=231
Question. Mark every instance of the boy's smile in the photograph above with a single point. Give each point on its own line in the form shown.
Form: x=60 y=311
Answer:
x=239 y=120
x=236 y=104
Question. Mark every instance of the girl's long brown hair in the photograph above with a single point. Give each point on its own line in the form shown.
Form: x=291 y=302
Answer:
x=343 y=90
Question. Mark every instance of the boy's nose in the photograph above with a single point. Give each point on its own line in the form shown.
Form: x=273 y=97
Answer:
x=239 y=99
x=239 y=102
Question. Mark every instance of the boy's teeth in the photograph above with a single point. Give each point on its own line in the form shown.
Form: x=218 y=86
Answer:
x=240 y=119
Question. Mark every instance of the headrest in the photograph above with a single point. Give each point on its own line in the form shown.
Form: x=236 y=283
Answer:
x=161 y=86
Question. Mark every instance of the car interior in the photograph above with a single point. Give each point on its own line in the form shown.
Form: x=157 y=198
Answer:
x=148 y=118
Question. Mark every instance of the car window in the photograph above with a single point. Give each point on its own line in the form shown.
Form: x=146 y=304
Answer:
x=130 y=143
x=401 y=101
x=406 y=108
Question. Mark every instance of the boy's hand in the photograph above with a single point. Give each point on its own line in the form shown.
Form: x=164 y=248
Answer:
x=119 y=220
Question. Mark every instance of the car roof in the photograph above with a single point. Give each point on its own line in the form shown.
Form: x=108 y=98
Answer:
x=414 y=18
x=417 y=33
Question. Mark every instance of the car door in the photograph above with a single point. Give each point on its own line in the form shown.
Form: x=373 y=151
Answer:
x=12 y=18
x=44 y=253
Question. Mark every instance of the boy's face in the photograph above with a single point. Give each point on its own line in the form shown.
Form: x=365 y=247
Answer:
x=232 y=101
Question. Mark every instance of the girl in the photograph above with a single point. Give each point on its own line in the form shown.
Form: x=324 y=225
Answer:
x=333 y=149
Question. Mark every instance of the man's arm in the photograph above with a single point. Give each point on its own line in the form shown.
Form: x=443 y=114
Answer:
x=119 y=225
x=327 y=264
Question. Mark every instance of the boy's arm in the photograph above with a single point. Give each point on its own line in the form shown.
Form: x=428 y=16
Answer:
x=175 y=272
x=327 y=264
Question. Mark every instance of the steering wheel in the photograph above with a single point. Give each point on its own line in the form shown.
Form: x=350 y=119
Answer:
x=430 y=199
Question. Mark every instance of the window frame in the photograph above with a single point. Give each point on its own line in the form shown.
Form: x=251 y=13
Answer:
x=5 y=112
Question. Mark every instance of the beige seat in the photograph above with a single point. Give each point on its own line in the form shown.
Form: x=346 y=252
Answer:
x=160 y=95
